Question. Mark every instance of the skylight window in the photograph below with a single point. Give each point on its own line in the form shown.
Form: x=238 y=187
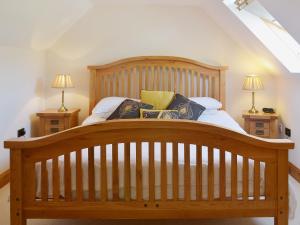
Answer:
x=269 y=31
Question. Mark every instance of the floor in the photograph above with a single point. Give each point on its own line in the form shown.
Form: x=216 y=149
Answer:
x=4 y=216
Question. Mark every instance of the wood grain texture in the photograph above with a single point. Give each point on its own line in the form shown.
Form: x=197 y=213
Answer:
x=4 y=178
x=294 y=172
x=155 y=76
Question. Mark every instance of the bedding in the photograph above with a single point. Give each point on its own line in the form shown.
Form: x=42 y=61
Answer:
x=159 y=114
x=129 y=109
x=187 y=109
x=208 y=102
x=159 y=99
x=106 y=106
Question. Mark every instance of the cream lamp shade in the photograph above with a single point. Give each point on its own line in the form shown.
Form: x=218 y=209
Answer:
x=253 y=83
x=62 y=81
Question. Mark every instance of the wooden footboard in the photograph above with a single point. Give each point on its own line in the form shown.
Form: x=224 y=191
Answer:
x=38 y=157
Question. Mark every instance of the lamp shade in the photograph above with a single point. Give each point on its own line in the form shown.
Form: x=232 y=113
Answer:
x=253 y=83
x=62 y=81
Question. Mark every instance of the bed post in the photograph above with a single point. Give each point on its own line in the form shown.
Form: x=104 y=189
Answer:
x=282 y=188
x=223 y=88
x=92 y=102
x=16 y=184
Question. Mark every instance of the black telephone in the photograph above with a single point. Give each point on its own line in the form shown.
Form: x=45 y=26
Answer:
x=268 y=110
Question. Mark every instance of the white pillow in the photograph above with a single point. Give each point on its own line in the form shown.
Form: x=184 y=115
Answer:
x=207 y=102
x=94 y=118
x=106 y=106
x=209 y=112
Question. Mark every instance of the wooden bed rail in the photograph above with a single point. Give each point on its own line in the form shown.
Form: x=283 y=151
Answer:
x=204 y=192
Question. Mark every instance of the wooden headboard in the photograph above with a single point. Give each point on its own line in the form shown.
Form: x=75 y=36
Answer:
x=128 y=76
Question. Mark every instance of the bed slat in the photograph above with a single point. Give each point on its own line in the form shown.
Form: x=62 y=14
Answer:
x=79 y=183
x=169 y=79
x=67 y=177
x=187 y=175
x=56 y=179
x=91 y=175
x=222 y=176
x=192 y=83
x=181 y=77
x=186 y=89
x=103 y=173
x=139 y=172
x=245 y=179
x=233 y=176
x=151 y=172
x=198 y=84
x=175 y=172
x=44 y=180
x=115 y=172
x=163 y=174
x=256 y=180
x=127 y=171
x=199 y=173
x=210 y=173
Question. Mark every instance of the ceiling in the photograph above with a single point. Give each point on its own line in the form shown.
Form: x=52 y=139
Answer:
x=39 y=24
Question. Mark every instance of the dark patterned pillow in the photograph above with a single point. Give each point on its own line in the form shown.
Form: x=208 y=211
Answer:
x=187 y=109
x=159 y=114
x=129 y=109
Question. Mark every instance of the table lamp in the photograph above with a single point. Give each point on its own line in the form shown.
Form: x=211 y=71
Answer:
x=62 y=81
x=253 y=83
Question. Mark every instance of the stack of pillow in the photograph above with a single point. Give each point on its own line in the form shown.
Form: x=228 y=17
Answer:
x=156 y=104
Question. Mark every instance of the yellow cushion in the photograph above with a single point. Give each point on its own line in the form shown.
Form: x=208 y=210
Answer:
x=159 y=99
x=159 y=114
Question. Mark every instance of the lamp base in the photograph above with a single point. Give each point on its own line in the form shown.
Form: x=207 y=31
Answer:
x=62 y=109
x=253 y=110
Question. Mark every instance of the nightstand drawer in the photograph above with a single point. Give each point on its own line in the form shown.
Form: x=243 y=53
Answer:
x=259 y=124
x=52 y=130
x=54 y=122
x=261 y=133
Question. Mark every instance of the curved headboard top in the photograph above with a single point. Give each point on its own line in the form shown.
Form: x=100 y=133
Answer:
x=127 y=77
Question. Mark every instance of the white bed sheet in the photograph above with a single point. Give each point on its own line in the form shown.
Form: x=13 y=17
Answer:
x=221 y=118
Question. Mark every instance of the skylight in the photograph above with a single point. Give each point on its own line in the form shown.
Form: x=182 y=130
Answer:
x=270 y=32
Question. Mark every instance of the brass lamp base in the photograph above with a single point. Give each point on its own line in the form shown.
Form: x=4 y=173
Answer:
x=62 y=109
x=253 y=110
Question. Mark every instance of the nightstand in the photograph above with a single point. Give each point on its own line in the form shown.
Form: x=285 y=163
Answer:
x=52 y=121
x=263 y=125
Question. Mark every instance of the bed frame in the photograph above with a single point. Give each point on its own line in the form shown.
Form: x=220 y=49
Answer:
x=127 y=78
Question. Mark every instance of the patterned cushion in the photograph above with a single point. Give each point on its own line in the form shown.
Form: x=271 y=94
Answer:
x=159 y=114
x=129 y=109
x=187 y=109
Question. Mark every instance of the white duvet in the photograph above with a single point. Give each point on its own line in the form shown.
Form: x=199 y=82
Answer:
x=221 y=118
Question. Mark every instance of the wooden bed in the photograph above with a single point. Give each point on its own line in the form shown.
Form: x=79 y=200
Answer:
x=126 y=78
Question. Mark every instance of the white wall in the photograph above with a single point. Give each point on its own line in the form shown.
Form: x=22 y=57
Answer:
x=108 y=33
x=21 y=94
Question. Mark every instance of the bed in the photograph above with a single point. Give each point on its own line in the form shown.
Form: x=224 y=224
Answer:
x=151 y=169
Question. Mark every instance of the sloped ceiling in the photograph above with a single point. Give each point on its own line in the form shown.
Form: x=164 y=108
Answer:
x=39 y=24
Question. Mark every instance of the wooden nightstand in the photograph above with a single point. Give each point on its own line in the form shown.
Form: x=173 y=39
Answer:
x=263 y=125
x=52 y=121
